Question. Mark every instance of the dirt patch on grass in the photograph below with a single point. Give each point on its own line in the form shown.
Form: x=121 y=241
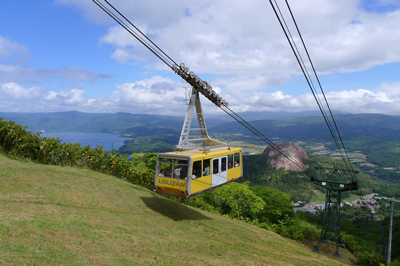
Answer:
x=328 y=251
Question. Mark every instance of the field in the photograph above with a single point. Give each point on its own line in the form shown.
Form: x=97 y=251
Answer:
x=318 y=198
x=53 y=215
x=248 y=147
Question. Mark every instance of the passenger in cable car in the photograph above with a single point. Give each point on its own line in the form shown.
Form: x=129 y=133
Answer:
x=206 y=170
x=184 y=171
x=194 y=175
x=177 y=171
x=168 y=172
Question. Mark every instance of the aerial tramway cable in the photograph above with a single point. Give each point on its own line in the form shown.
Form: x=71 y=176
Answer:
x=337 y=139
x=138 y=34
x=142 y=38
x=263 y=137
x=201 y=85
x=319 y=83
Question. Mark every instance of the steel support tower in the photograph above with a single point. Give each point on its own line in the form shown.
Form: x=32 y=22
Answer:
x=330 y=227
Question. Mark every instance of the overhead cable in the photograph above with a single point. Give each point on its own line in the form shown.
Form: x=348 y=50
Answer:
x=332 y=128
x=135 y=32
x=195 y=81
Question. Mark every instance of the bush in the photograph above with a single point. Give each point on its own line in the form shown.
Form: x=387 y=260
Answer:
x=310 y=231
x=277 y=204
x=198 y=202
x=395 y=263
x=17 y=141
x=369 y=258
x=236 y=200
x=351 y=242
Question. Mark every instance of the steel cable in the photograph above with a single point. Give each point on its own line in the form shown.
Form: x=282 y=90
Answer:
x=306 y=74
x=292 y=43
x=257 y=133
x=138 y=35
x=319 y=83
x=173 y=62
x=141 y=37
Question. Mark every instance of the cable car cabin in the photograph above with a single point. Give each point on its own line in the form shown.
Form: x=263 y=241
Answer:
x=190 y=172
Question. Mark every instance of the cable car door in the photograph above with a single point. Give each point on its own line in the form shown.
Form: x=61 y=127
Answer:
x=219 y=173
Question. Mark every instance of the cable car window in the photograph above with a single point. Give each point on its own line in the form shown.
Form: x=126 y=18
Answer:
x=223 y=164
x=230 y=161
x=165 y=167
x=184 y=168
x=237 y=159
x=177 y=171
x=206 y=167
x=173 y=168
x=215 y=166
x=196 y=170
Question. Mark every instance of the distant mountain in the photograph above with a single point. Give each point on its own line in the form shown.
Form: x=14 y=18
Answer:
x=265 y=115
x=296 y=128
x=314 y=128
x=86 y=122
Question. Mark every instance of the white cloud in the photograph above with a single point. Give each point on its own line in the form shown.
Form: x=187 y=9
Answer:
x=365 y=101
x=157 y=95
x=13 y=91
x=225 y=37
x=12 y=49
x=246 y=83
x=240 y=45
x=164 y=96
x=18 y=73
x=353 y=101
x=17 y=98
x=393 y=87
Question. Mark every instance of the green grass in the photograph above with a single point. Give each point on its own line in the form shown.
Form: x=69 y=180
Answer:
x=352 y=198
x=53 y=215
x=319 y=197
x=253 y=148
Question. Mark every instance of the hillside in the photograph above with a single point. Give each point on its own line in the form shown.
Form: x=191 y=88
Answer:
x=67 y=216
x=313 y=128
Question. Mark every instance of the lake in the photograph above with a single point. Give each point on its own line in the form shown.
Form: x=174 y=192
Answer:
x=88 y=138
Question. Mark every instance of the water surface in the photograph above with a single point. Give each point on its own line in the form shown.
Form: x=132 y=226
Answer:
x=88 y=138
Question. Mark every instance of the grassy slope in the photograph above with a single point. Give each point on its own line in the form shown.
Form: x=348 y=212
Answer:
x=64 y=216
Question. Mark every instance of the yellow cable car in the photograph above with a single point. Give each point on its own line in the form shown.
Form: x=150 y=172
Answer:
x=198 y=164
x=190 y=172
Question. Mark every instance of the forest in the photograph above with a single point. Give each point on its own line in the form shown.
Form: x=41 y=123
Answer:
x=298 y=185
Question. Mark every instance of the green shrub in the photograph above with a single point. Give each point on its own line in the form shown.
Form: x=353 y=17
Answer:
x=351 y=242
x=395 y=263
x=17 y=141
x=310 y=231
x=366 y=258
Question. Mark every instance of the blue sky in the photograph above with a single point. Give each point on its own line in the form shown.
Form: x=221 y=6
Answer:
x=62 y=55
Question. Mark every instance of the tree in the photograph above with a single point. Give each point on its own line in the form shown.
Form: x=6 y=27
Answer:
x=277 y=204
x=235 y=199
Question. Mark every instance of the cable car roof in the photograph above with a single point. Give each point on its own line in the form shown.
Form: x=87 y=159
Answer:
x=213 y=152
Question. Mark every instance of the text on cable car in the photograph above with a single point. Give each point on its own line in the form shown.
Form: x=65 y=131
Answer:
x=171 y=183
